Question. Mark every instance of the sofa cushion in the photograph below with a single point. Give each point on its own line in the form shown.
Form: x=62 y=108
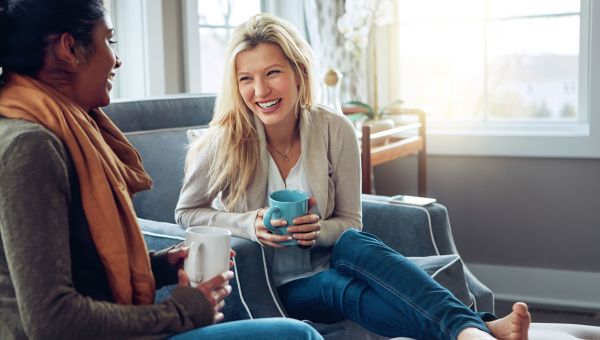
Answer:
x=166 y=171
x=194 y=134
x=447 y=270
x=161 y=113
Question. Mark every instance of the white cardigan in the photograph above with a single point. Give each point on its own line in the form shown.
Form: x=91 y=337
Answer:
x=331 y=159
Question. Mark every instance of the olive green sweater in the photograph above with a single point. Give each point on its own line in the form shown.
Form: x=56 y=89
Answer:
x=52 y=283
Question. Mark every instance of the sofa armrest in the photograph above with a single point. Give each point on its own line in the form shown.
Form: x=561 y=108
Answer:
x=410 y=230
x=249 y=269
x=419 y=231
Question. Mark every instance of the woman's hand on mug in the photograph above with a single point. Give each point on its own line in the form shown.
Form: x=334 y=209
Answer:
x=231 y=256
x=214 y=290
x=177 y=255
x=264 y=236
x=180 y=252
x=307 y=228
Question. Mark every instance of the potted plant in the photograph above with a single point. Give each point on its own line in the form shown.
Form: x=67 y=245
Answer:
x=361 y=113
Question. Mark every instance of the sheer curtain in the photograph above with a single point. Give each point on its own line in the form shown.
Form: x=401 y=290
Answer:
x=328 y=46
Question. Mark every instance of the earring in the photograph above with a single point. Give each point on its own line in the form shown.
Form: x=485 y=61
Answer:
x=77 y=61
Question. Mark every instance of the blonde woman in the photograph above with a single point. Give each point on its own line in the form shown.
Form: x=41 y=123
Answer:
x=267 y=134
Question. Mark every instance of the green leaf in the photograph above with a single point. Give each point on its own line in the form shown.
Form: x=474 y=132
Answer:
x=395 y=104
x=368 y=109
x=355 y=117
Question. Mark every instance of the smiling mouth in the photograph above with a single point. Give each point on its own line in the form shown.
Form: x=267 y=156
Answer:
x=269 y=104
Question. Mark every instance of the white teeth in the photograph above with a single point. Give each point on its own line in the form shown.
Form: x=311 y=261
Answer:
x=269 y=104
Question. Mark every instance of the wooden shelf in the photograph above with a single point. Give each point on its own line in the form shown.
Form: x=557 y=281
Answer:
x=400 y=141
x=396 y=149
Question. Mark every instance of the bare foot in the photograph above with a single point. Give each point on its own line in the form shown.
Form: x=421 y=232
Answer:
x=514 y=326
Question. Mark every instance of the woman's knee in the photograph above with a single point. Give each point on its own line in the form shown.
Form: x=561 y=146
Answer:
x=360 y=248
x=352 y=236
x=351 y=243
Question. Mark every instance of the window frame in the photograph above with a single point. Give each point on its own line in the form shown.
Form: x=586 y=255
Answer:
x=578 y=139
x=145 y=49
x=191 y=46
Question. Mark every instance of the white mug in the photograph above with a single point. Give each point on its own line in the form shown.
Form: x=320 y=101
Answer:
x=209 y=253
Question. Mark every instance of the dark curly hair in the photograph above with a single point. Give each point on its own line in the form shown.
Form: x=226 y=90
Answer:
x=26 y=27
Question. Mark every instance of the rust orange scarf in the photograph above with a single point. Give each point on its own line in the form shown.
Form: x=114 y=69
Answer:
x=109 y=171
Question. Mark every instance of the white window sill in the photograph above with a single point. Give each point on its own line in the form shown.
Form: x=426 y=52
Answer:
x=509 y=129
x=571 y=145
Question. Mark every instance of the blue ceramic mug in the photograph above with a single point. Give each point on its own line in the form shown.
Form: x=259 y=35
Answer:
x=287 y=205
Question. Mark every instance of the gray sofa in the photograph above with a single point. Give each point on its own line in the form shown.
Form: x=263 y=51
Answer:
x=157 y=128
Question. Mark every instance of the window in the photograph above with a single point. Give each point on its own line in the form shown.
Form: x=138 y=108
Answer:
x=497 y=68
x=208 y=28
x=139 y=32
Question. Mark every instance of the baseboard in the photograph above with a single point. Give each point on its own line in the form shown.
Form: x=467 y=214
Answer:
x=541 y=286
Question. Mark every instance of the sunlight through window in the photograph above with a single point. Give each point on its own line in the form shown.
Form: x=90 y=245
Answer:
x=492 y=60
x=216 y=21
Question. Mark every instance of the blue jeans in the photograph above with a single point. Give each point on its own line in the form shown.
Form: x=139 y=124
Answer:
x=272 y=328
x=376 y=287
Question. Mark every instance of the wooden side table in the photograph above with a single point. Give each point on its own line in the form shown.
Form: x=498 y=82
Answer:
x=404 y=139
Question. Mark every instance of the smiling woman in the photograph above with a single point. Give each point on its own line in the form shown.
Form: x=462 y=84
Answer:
x=269 y=86
x=322 y=266
x=85 y=73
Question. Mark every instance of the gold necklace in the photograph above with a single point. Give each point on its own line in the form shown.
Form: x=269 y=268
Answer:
x=284 y=155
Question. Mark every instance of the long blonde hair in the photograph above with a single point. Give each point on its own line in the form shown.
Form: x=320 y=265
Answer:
x=232 y=139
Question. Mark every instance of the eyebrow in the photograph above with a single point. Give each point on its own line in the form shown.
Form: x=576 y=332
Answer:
x=274 y=65
x=266 y=68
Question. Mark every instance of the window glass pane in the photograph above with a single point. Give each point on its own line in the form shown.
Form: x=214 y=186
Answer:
x=533 y=68
x=212 y=12
x=242 y=10
x=459 y=65
x=212 y=48
x=440 y=10
x=508 y=8
x=226 y=12
x=442 y=69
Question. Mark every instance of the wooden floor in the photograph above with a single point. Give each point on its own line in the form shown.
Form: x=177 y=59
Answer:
x=541 y=313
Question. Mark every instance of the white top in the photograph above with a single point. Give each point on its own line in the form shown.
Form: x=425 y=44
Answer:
x=296 y=179
x=284 y=266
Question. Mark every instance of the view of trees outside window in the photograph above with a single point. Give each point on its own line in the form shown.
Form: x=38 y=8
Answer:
x=490 y=60
x=216 y=20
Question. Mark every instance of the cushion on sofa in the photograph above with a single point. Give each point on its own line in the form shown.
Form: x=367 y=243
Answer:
x=447 y=270
x=159 y=203
x=194 y=134
x=174 y=111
